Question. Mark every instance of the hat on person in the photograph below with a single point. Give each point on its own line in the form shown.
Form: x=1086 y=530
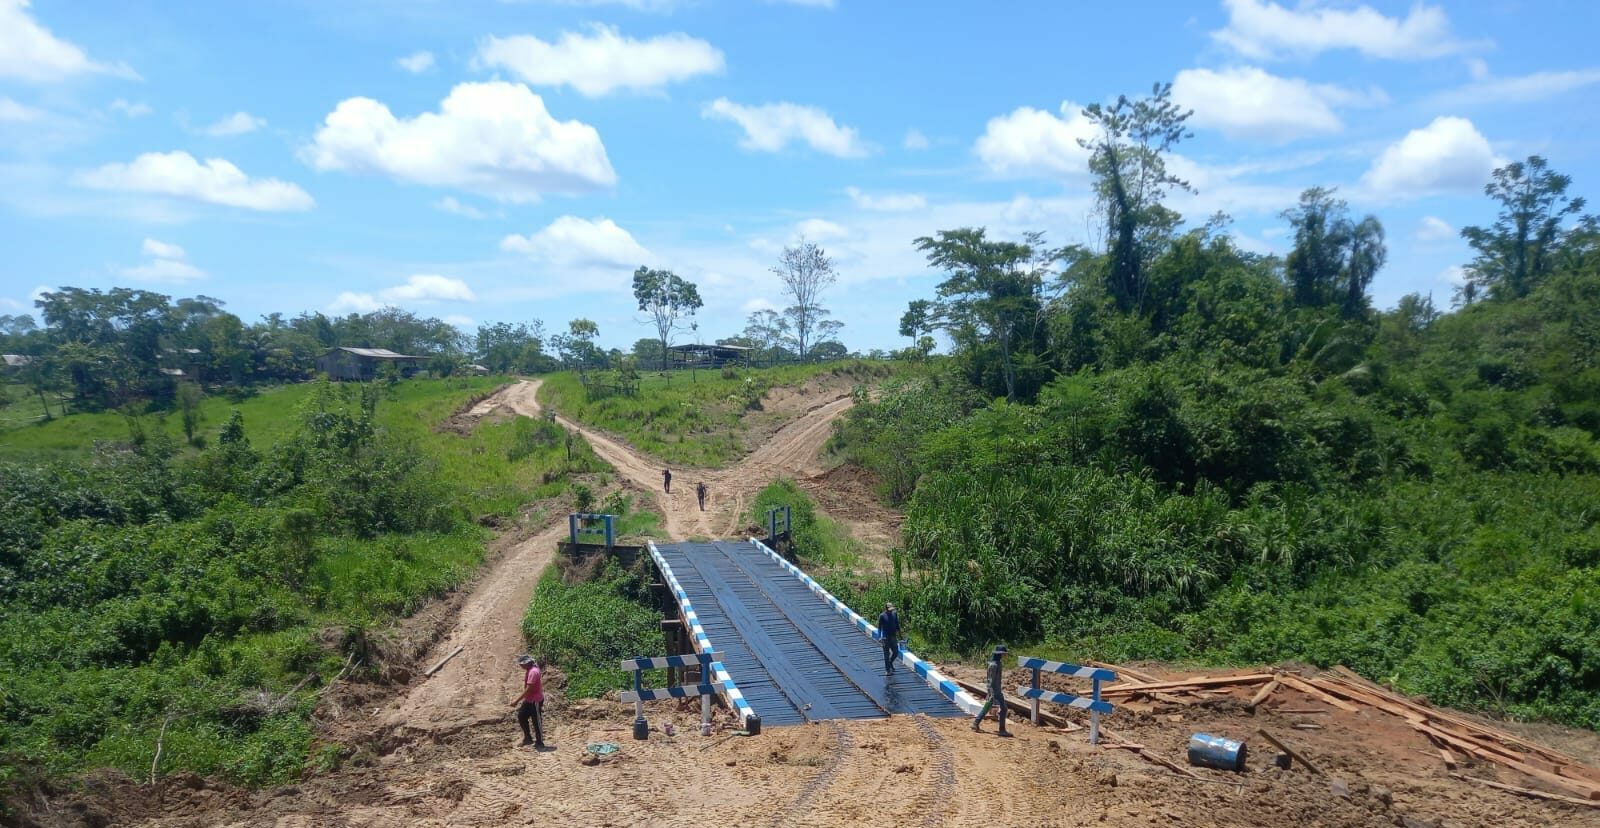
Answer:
x=524 y=660
x=888 y=606
x=1000 y=651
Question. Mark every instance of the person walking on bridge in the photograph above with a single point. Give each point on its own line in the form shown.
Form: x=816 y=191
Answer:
x=700 y=492
x=889 y=632
x=530 y=705
x=997 y=693
x=666 y=480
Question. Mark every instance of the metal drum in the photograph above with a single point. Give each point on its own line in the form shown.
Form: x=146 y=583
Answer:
x=1216 y=752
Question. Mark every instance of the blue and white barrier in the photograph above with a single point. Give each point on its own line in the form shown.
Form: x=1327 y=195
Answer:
x=702 y=643
x=1093 y=704
x=663 y=662
x=681 y=692
x=968 y=703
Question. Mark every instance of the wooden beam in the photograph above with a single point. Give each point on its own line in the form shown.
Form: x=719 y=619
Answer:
x=1317 y=693
x=1262 y=694
x=1121 y=670
x=443 y=661
x=1186 y=684
x=1528 y=791
x=1293 y=754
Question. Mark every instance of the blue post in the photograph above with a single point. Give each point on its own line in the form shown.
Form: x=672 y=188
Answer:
x=1036 y=698
x=572 y=527
x=611 y=533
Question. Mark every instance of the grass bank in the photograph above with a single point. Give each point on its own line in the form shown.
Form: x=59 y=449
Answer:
x=694 y=418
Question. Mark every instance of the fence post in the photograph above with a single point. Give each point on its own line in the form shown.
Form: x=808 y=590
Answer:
x=1094 y=717
x=572 y=527
x=611 y=533
x=641 y=728
x=1035 y=705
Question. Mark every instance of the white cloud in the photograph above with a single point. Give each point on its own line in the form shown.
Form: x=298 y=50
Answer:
x=1454 y=275
x=1248 y=102
x=771 y=127
x=1261 y=30
x=1435 y=229
x=1446 y=155
x=449 y=204
x=217 y=181
x=577 y=242
x=13 y=112
x=915 y=140
x=416 y=63
x=421 y=289
x=162 y=250
x=1520 y=89
x=460 y=320
x=759 y=303
x=1034 y=142
x=137 y=109
x=887 y=202
x=602 y=61
x=239 y=123
x=166 y=265
x=820 y=230
x=1478 y=68
x=29 y=52
x=496 y=139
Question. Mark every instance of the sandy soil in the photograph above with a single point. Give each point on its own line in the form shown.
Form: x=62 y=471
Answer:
x=449 y=756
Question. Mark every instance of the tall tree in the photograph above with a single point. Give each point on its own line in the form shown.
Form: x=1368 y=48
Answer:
x=767 y=330
x=1334 y=260
x=1520 y=249
x=916 y=323
x=1131 y=179
x=1367 y=255
x=806 y=271
x=667 y=298
x=992 y=286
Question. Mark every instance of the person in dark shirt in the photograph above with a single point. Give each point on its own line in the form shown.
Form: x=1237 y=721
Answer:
x=997 y=694
x=700 y=492
x=666 y=480
x=889 y=631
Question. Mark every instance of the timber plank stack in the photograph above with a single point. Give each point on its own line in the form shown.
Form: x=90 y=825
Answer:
x=1458 y=739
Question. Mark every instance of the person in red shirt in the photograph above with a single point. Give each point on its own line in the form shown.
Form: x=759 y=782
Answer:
x=530 y=705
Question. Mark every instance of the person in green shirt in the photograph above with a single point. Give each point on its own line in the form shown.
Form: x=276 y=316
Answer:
x=997 y=694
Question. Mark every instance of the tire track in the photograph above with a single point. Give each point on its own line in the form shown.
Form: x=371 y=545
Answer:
x=934 y=802
x=843 y=754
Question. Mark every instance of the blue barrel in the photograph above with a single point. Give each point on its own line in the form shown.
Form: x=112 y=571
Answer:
x=1216 y=752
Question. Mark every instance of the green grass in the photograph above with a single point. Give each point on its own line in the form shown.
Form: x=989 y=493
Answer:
x=695 y=420
x=586 y=628
x=150 y=588
x=818 y=540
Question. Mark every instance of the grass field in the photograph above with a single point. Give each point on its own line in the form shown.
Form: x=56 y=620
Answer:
x=690 y=418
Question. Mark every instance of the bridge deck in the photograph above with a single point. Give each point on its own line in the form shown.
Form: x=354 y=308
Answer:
x=793 y=657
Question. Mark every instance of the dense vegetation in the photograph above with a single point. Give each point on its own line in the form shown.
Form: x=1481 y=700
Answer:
x=205 y=597
x=1178 y=450
x=695 y=418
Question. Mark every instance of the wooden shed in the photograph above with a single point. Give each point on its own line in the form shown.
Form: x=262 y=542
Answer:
x=362 y=363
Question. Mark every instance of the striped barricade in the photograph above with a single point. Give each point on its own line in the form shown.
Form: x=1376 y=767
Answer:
x=719 y=673
x=1093 y=704
x=705 y=691
x=968 y=703
x=638 y=695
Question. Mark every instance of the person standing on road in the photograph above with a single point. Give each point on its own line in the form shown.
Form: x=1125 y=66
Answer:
x=700 y=491
x=530 y=705
x=997 y=695
x=666 y=480
x=889 y=632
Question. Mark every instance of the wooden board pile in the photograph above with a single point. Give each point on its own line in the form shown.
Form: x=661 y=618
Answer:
x=1458 y=739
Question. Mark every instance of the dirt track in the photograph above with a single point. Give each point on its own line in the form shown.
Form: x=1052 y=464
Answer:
x=449 y=756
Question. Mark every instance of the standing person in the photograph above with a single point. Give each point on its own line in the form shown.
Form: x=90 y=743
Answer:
x=666 y=480
x=530 y=705
x=700 y=491
x=997 y=694
x=889 y=632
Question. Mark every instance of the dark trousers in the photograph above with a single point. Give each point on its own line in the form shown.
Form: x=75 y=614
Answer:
x=891 y=652
x=995 y=700
x=534 y=712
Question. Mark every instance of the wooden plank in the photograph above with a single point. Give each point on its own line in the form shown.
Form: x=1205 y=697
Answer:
x=1528 y=791
x=1186 y=684
x=1262 y=694
x=1580 y=788
x=435 y=668
x=1121 y=670
x=1293 y=754
x=1317 y=693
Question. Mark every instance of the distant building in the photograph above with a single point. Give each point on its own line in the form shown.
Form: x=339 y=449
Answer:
x=362 y=363
x=16 y=362
x=707 y=356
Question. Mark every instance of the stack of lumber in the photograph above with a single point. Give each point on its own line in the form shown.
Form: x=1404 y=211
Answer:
x=1458 y=739
x=1453 y=734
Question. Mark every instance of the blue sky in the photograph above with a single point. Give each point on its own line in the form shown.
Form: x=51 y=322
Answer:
x=505 y=161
